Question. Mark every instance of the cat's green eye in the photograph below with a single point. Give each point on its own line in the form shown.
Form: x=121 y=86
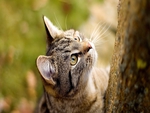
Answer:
x=73 y=60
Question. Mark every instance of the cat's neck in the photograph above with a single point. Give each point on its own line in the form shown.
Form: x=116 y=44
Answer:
x=98 y=78
x=86 y=96
x=83 y=99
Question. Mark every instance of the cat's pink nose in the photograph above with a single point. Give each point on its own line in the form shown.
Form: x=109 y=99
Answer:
x=86 y=47
x=89 y=46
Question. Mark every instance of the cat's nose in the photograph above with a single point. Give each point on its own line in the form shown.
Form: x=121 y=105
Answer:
x=86 y=47
x=89 y=46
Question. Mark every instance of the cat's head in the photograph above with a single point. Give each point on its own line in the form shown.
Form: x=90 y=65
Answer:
x=68 y=62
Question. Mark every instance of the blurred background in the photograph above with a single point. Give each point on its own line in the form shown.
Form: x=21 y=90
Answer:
x=22 y=40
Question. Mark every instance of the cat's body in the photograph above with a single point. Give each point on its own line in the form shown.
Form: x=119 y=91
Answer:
x=72 y=83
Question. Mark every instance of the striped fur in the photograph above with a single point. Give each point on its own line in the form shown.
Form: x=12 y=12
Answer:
x=70 y=88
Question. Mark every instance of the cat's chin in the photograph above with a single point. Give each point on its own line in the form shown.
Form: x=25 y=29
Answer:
x=93 y=53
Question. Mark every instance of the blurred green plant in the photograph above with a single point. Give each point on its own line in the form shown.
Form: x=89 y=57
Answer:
x=22 y=39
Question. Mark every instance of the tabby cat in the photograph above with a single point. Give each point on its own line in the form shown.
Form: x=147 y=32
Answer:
x=72 y=83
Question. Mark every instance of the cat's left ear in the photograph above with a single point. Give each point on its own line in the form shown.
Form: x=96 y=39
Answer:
x=46 y=69
x=51 y=30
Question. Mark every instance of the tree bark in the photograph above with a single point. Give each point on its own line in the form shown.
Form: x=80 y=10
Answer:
x=129 y=84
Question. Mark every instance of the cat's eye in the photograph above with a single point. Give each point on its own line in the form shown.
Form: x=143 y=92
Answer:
x=74 y=59
x=77 y=38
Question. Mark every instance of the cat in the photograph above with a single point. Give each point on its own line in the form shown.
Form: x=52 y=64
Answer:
x=72 y=83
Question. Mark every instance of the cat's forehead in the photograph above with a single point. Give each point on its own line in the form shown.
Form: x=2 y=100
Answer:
x=73 y=33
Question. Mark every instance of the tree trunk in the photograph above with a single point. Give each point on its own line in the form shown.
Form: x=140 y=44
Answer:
x=129 y=85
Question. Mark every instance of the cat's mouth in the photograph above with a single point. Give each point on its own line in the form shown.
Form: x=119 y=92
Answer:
x=92 y=53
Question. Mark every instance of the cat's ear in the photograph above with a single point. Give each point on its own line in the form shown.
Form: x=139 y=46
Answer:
x=46 y=69
x=51 y=30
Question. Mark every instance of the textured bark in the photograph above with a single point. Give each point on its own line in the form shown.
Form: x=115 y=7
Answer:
x=129 y=85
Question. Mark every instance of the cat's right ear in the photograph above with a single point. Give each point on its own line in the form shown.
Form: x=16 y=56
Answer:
x=51 y=30
x=46 y=69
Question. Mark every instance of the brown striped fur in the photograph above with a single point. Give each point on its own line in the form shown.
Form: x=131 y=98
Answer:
x=68 y=88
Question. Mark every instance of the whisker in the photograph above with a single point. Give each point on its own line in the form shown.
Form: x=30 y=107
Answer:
x=101 y=38
x=57 y=22
x=101 y=30
x=97 y=35
x=99 y=42
x=97 y=39
x=105 y=31
x=95 y=30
